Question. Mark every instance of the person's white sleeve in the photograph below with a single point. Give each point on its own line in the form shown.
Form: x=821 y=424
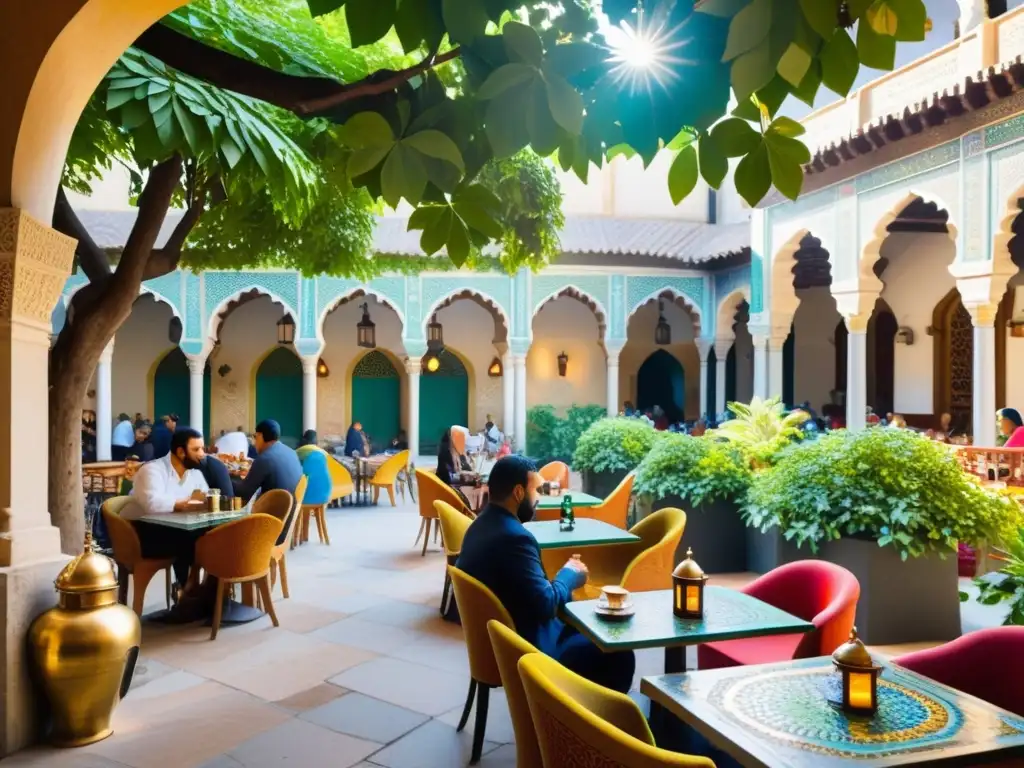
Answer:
x=151 y=494
x=200 y=483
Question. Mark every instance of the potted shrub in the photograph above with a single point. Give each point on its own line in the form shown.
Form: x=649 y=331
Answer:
x=609 y=450
x=707 y=479
x=550 y=437
x=761 y=431
x=890 y=506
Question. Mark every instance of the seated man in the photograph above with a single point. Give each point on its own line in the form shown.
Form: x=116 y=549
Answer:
x=276 y=466
x=501 y=553
x=217 y=476
x=170 y=484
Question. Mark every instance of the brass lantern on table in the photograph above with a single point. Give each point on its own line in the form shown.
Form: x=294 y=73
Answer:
x=84 y=650
x=860 y=676
x=688 y=582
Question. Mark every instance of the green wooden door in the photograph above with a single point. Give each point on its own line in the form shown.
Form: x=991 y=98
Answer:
x=377 y=398
x=279 y=393
x=171 y=390
x=444 y=400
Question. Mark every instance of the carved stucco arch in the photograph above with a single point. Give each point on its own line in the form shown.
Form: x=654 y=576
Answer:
x=65 y=301
x=486 y=299
x=358 y=292
x=727 y=309
x=783 y=298
x=573 y=292
x=691 y=307
x=1002 y=263
x=214 y=320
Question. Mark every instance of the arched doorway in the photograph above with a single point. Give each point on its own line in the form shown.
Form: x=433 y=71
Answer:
x=444 y=399
x=279 y=393
x=377 y=397
x=953 y=372
x=882 y=330
x=171 y=393
x=660 y=381
x=730 y=376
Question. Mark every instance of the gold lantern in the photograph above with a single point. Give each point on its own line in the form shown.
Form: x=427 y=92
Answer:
x=860 y=676
x=688 y=582
x=84 y=650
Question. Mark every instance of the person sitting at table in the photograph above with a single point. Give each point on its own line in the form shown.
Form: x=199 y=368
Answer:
x=217 y=476
x=172 y=483
x=234 y=443
x=122 y=438
x=449 y=460
x=308 y=438
x=356 y=443
x=501 y=553
x=142 y=448
x=276 y=466
x=1011 y=428
x=160 y=437
x=399 y=442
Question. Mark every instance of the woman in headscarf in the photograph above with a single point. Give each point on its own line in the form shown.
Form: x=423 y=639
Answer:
x=355 y=441
x=1011 y=427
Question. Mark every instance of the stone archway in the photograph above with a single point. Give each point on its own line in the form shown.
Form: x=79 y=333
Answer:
x=377 y=397
x=277 y=387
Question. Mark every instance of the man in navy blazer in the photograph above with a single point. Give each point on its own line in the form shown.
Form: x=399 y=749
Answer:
x=277 y=466
x=498 y=551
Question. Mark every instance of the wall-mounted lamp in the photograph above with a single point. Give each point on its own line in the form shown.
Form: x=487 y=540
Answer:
x=563 y=364
x=905 y=335
x=494 y=370
x=435 y=335
x=366 y=330
x=432 y=363
x=662 y=331
x=322 y=371
x=224 y=370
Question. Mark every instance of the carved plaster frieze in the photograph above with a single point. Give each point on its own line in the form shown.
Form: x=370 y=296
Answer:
x=35 y=262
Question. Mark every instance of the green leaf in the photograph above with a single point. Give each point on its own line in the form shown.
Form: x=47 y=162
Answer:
x=365 y=160
x=425 y=216
x=735 y=137
x=808 y=88
x=754 y=175
x=115 y=98
x=544 y=132
x=232 y=154
x=799 y=53
x=477 y=217
x=565 y=103
x=822 y=15
x=366 y=130
x=786 y=169
x=882 y=18
x=875 y=50
x=458 y=243
x=503 y=78
x=748 y=29
x=403 y=175
x=713 y=164
x=369 y=20
x=323 y=7
x=417 y=22
x=436 y=235
x=188 y=128
x=682 y=174
x=523 y=43
x=437 y=145
x=913 y=19
x=752 y=70
x=506 y=124
x=465 y=20
x=724 y=9
x=839 y=63
x=786 y=126
x=683 y=139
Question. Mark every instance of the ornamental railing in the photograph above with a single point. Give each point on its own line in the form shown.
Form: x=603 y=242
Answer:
x=996 y=465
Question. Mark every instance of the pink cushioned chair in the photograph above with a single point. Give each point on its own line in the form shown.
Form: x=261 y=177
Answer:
x=988 y=664
x=817 y=591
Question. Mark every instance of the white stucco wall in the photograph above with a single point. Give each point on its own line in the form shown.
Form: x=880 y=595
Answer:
x=566 y=325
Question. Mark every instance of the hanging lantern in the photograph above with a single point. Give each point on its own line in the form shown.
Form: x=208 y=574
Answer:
x=663 y=331
x=322 y=371
x=366 y=331
x=563 y=364
x=435 y=335
x=495 y=370
x=285 y=330
x=688 y=582
x=432 y=363
x=174 y=331
x=860 y=676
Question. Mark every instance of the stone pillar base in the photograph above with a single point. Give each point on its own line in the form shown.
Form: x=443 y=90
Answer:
x=25 y=592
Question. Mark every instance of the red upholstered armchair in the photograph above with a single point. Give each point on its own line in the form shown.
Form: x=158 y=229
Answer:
x=988 y=664
x=817 y=591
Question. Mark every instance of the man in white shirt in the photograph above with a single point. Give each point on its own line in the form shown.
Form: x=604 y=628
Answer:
x=170 y=484
x=122 y=438
x=233 y=443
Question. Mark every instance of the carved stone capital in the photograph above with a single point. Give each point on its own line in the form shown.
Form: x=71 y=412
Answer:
x=704 y=349
x=35 y=262
x=413 y=366
x=309 y=365
x=982 y=315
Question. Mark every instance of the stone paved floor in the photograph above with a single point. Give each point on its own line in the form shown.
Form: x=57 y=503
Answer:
x=362 y=671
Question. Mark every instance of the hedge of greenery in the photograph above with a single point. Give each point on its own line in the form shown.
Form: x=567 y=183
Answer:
x=553 y=437
x=694 y=468
x=612 y=445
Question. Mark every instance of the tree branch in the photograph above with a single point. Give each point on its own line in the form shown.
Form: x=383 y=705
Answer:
x=305 y=96
x=92 y=259
x=165 y=260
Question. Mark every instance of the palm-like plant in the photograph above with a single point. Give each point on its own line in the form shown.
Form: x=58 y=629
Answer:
x=1010 y=588
x=761 y=429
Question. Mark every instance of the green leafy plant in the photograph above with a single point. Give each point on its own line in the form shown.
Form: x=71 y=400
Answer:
x=694 y=468
x=553 y=437
x=889 y=485
x=614 y=444
x=1009 y=588
x=761 y=429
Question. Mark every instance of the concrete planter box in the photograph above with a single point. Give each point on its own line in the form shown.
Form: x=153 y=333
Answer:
x=900 y=602
x=601 y=484
x=767 y=551
x=714 y=531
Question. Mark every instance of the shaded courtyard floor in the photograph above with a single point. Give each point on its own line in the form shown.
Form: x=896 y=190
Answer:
x=361 y=672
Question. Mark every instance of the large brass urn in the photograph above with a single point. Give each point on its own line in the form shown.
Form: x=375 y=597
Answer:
x=84 y=650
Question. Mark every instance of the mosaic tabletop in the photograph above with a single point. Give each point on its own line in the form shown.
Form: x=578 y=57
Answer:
x=728 y=615
x=577 y=498
x=776 y=715
x=586 y=533
x=194 y=521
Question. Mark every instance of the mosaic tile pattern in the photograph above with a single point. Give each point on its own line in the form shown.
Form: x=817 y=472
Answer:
x=596 y=287
x=640 y=289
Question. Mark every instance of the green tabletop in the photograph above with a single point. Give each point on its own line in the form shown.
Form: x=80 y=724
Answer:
x=777 y=716
x=194 y=521
x=578 y=498
x=587 y=533
x=728 y=615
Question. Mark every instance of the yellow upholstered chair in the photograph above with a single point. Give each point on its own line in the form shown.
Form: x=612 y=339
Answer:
x=578 y=722
x=614 y=509
x=478 y=606
x=642 y=566
x=238 y=553
x=509 y=648
x=128 y=556
x=431 y=489
x=387 y=475
x=454 y=524
x=556 y=472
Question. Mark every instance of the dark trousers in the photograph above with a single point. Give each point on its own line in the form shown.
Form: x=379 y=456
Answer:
x=159 y=541
x=612 y=670
x=119 y=452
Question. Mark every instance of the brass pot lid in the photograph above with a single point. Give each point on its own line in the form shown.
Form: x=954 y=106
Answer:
x=89 y=572
x=688 y=569
x=852 y=653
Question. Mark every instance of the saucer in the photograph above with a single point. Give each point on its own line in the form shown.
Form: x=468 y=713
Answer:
x=614 y=614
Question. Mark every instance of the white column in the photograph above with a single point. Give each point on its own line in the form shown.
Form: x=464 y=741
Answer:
x=508 y=394
x=984 y=374
x=104 y=414
x=857 y=371
x=519 y=363
x=775 y=373
x=613 y=382
x=196 y=370
x=704 y=351
x=412 y=428
x=309 y=365
x=760 y=366
x=722 y=347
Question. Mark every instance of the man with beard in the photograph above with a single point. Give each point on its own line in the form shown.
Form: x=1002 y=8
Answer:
x=166 y=485
x=502 y=554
